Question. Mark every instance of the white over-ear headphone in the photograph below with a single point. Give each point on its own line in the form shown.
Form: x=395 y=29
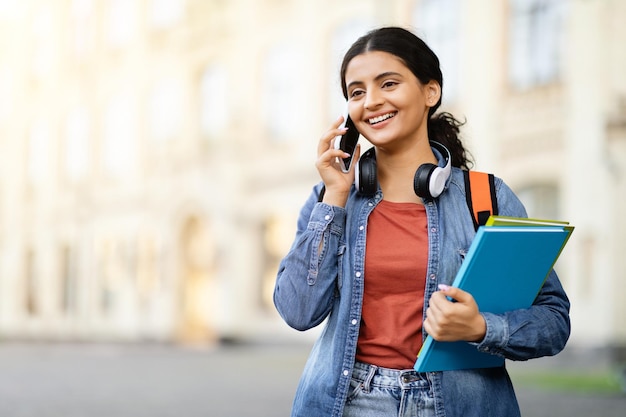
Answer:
x=429 y=181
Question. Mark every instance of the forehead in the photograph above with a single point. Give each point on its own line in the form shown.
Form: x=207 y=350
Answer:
x=370 y=64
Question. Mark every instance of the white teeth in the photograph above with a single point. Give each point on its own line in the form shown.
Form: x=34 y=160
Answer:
x=381 y=118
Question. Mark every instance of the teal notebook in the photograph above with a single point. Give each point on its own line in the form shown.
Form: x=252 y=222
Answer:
x=504 y=269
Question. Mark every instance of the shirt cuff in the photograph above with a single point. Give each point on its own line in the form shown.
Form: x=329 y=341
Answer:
x=324 y=214
x=496 y=336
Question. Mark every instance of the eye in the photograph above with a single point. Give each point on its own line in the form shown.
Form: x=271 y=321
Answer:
x=389 y=84
x=356 y=93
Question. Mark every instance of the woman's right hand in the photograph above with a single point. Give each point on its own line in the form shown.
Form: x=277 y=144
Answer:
x=337 y=182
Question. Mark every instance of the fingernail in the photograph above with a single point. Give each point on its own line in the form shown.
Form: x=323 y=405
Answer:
x=443 y=287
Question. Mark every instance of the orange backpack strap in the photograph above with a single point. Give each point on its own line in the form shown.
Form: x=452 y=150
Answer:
x=480 y=192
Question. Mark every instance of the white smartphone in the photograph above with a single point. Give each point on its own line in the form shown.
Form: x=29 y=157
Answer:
x=347 y=142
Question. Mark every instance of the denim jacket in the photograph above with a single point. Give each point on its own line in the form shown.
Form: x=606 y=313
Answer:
x=321 y=279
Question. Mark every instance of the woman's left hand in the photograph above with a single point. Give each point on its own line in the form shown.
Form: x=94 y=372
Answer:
x=449 y=321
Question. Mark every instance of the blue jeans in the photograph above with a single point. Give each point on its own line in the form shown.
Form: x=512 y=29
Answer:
x=378 y=392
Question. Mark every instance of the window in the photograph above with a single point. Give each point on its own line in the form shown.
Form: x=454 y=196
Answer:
x=536 y=42
x=12 y=9
x=82 y=26
x=282 y=88
x=541 y=201
x=214 y=105
x=121 y=21
x=108 y=276
x=166 y=13
x=7 y=90
x=30 y=284
x=149 y=266
x=44 y=52
x=439 y=20
x=68 y=280
x=120 y=136
x=77 y=146
x=165 y=109
x=38 y=150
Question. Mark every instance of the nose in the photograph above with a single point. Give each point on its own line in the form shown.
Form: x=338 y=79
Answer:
x=373 y=99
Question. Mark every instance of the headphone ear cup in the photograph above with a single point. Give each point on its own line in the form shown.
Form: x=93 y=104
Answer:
x=421 y=181
x=437 y=182
x=366 y=179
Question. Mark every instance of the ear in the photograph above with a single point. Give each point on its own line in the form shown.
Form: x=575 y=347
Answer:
x=433 y=93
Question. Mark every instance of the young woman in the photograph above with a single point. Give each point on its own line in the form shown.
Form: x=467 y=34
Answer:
x=376 y=262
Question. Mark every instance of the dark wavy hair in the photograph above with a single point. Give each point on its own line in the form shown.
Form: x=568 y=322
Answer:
x=424 y=64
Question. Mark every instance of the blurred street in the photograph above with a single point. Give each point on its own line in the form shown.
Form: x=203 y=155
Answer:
x=76 y=380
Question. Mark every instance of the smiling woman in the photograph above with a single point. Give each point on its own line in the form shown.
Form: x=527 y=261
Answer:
x=390 y=106
x=421 y=68
x=376 y=266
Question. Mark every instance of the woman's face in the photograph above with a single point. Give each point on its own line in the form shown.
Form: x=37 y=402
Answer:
x=387 y=102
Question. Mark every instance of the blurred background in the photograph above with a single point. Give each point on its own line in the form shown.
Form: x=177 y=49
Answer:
x=154 y=154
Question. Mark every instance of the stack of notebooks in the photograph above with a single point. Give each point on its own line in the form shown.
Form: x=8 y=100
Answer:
x=504 y=270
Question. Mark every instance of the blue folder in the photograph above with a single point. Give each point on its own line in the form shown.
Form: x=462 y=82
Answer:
x=504 y=270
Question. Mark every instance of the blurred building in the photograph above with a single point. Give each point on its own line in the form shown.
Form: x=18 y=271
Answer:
x=154 y=154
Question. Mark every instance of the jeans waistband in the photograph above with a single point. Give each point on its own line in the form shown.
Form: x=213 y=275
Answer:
x=390 y=378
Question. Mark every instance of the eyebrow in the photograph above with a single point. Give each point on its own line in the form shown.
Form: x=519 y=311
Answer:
x=377 y=78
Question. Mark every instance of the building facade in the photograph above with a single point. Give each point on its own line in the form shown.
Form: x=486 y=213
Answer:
x=154 y=154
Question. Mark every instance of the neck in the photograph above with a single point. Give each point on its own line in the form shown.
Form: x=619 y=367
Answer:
x=396 y=171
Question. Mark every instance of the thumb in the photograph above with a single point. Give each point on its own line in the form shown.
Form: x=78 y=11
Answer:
x=453 y=292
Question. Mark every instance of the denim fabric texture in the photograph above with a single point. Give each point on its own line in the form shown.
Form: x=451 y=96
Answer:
x=376 y=392
x=321 y=280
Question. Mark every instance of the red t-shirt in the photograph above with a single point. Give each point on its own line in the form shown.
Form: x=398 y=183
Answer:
x=395 y=275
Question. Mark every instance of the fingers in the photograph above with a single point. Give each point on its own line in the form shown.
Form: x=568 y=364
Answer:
x=337 y=182
x=437 y=310
x=453 y=320
x=327 y=155
x=327 y=140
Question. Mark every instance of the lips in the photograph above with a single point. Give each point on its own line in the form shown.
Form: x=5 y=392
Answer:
x=381 y=118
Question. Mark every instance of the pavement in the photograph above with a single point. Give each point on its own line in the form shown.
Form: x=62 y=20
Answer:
x=238 y=380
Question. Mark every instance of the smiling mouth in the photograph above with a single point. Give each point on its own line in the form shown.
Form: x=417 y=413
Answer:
x=376 y=120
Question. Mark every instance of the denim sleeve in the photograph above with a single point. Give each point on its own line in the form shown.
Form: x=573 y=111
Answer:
x=541 y=330
x=306 y=283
